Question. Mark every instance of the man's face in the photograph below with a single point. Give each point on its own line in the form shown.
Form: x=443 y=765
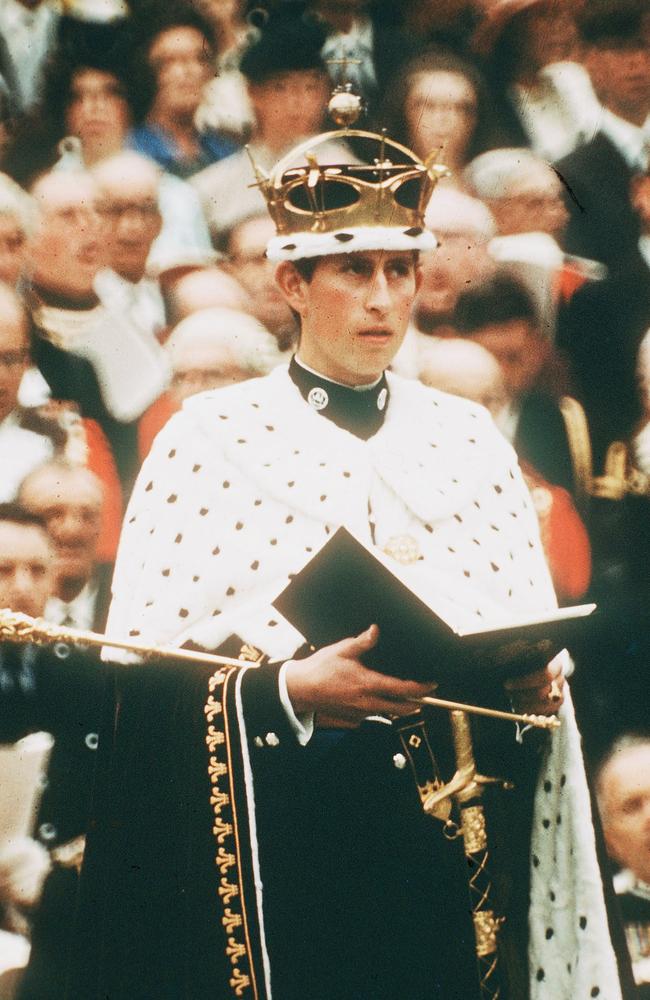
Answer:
x=67 y=249
x=202 y=366
x=98 y=112
x=354 y=311
x=289 y=105
x=461 y=261
x=518 y=348
x=620 y=72
x=70 y=502
x=182 y=61
x=13 y=249
x=131 y=207
x=533 y=204
x=26 y=568
x=250 y=266
x=625 y=807
x=14 y=355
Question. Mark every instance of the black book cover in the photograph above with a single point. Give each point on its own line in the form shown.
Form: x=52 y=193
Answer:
x=345 y=588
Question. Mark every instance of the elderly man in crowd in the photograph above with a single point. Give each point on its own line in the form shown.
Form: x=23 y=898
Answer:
x=248 y=263
x=87 y=352
x=69 y=499
x=129 y=201
x=208 y=349
x=17 y=218
x=623 y=786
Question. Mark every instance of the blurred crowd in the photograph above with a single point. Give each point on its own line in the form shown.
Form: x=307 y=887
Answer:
x=133 y=274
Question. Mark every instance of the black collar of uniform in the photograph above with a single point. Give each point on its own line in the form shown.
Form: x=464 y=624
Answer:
x=359 y=411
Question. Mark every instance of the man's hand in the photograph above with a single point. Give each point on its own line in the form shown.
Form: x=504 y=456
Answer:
x=334 y=683
x=541 y=693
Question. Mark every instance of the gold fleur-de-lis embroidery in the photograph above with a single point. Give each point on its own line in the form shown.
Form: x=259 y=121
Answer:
x=216 y=769
x=239 y=982
x=219 y=800
x=227 y=890
x=217 y=679
x=212 y=708
x=225 y=860
x=230 y=920
x=221 y=829
x=235 y=950
x=214 y=739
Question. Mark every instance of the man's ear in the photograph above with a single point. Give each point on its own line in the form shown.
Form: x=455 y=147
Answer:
x=292 y=285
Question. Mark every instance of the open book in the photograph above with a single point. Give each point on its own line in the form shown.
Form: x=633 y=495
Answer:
x=346 y=588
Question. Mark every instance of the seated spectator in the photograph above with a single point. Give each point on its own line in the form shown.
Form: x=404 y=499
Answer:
x=359 y=49
x=438 y=107
x=69 y=499
x=17 y=218
x=196 y=289
x=57 y=690
x=501 y=316
x=623 y=787
x=225 y=106
x=525 y=196
x=601 y=333
x=87 y=351
x=543 y=95
x=177 y=61
x=29 y=31
x=466 y=369
x=89 y=104
x=289 y=88
x=21 y=449
x=209 y=349
x=247 y=261
x=129 y=200
x=463 y=227
x=618 y=61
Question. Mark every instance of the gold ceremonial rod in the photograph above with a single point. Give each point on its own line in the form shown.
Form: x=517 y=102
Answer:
x=539 y=721
x=15 y=627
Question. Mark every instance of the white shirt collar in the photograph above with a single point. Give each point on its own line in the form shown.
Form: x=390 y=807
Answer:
x=630 y=140
x=79 y=612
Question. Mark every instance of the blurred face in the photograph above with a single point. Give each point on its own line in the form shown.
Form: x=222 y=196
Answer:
x=640 y=195
x=354 y=311
x=67 y=250
x=134 y=221
x=481 y=381
x=202 y=366
x=551 y=35
x=182 y=59
x=534 y=204
x=625 y=809
x=518 y=348
x=14 y=355
x=26 y=568
x=289 y=105
x=620 y=73
x=13 y=249
x=460 y=261
x=257 y=274
x=98 y=113
x=440 y=114
x=70 y=502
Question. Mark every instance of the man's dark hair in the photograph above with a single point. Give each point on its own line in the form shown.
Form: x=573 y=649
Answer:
x=499 y=300
x=602 y=21
x=15 y=513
